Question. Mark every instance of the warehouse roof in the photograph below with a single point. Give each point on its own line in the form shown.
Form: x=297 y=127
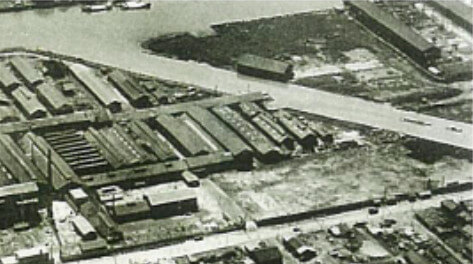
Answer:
x=16 y=162
x=54 y=98
x=150 y=140
x=18 y=189
x=397 y=26
x=105 y=93
x=159 y=199
x=7 y=114
x=7 y=78
x=28 y=102
x=261 y=63
x=229 y=139
x=83 y=226
x=266 y=255
x=127 y=87
x=184 y=135
x=26 y=69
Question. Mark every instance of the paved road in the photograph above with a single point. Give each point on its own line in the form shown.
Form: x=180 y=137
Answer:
x=313 y=101
x=241 y=237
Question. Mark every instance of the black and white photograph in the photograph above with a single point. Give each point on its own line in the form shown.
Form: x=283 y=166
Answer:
x=236 y=131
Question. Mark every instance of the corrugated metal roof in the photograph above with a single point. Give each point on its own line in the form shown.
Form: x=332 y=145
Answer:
x=397 y=26
x=126 y=208
x=261 y=63
x=82 y=225
x=54 y=97
x=7 y=78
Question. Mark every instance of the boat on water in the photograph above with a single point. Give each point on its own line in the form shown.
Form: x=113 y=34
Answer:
x=132 y=5
x=97 y=8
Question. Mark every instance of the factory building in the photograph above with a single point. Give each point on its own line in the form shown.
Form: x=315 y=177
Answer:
x=172 y=203
x=456 y=10
x=266 y=255
x=18 y=203
x=128 y=87
x=394 y=31
x=241 y=152
x=8 y=114
x=264 y=148
x=26 y=71
x=213 y=162
x=190 y=179
x=16 y=165
x=266 y=124
x=76 y=151
x=106 y=94
x=48 y=161
x=182 y=136
x=151 y=141
x=29 y=103
x=53 y=99
x=118 y=147
x=257 y=66
x=8 y=81
x=301 y=132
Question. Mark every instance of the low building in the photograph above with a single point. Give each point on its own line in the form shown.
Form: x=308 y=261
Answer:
x=128 y=87
x=264 y=68
x=36 y=255
x=127 y=211
x=83 y=227
x=172 y=203
x=414 y=258
x=449 y=206
x=299 y=249
x=26 y=69
x=302 y=133
x=29 y=103
x=190 y=179
x=8 y=114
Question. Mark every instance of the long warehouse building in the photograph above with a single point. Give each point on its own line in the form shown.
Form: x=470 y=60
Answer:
x=265 y=149
x=242 y=153
x=27 y=71
x=8 y=80
x=104 y=92
x=394 y=31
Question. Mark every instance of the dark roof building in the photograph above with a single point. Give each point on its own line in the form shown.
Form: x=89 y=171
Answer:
x=128 y=87
x=27 y=71
x=264 y=68
x=303 y=134
x=152 y=141
x=266 y=255
x=18 y=202
x=182 y=136
x=264 y=148
x=104 y=92
x=8 y=81
x=8 y=114
x=29 y=103
x=414 y=258
x=230 y=140
x=455 y=10
x=53 y=98
x=394 y=31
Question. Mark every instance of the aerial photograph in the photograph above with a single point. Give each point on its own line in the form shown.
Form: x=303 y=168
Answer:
x=236 y=131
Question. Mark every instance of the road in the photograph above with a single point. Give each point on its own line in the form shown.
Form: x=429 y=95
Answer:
x=241 y=237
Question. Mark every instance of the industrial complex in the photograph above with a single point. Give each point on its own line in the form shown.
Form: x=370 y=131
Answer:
x=335 y=136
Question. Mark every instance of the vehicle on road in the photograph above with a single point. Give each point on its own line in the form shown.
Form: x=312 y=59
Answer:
x=455 y=129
